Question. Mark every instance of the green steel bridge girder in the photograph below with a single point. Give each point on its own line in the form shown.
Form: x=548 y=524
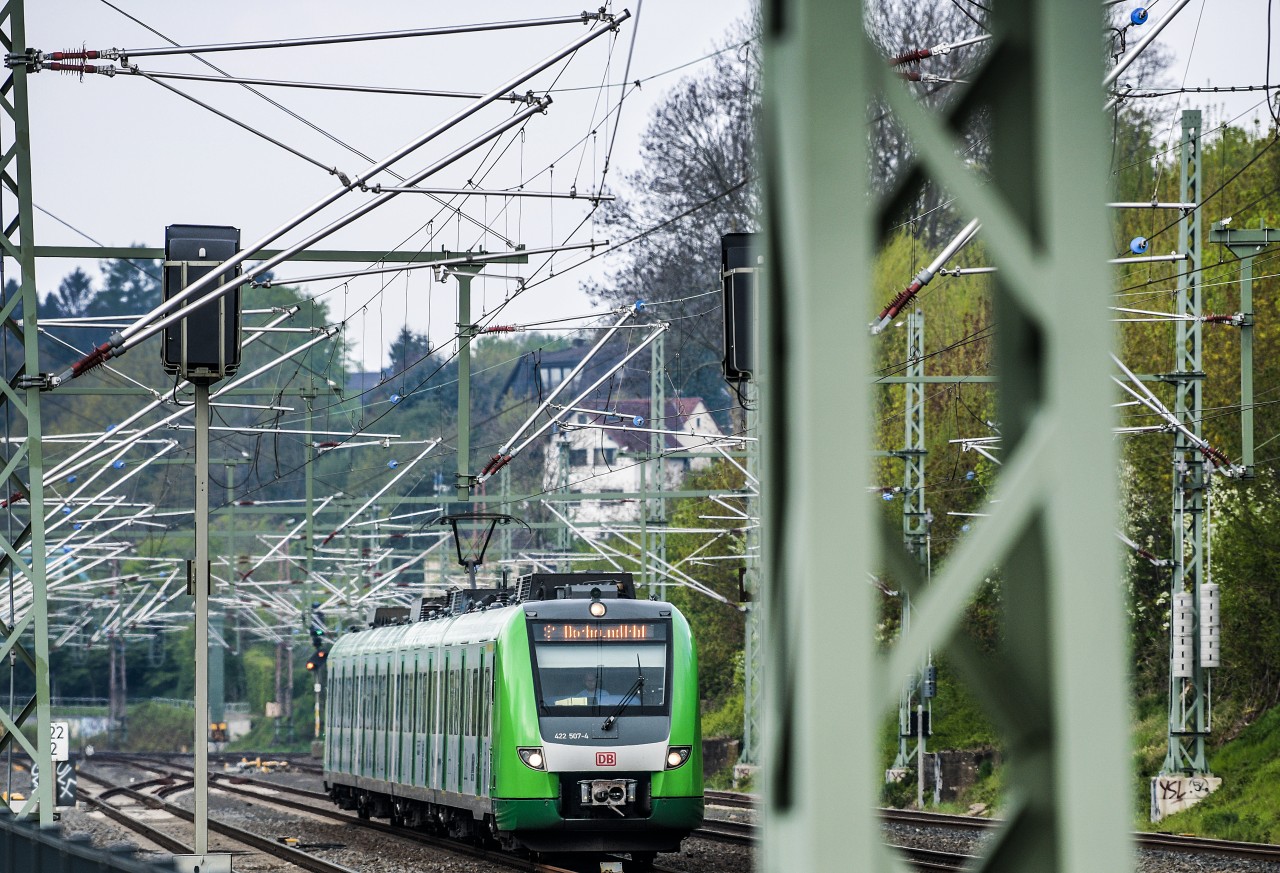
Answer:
x=1056 y=689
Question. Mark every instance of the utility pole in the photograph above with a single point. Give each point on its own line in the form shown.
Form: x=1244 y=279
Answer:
x=739 y=266
x=1245 y=245
x=753 y=643
x=562 y=449
x=467 y=332
x=656 y=509
x=1189 y=696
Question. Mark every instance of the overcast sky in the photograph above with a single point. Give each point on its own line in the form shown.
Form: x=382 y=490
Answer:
x=120 y=158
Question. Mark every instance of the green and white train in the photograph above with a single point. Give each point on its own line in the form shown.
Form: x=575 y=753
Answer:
x=561 y=717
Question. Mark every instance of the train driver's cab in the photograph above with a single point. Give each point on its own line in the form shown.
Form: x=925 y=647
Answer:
x=594 y=667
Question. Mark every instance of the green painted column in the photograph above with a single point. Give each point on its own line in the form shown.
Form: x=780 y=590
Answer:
x=819 y=776
x=1056 y=688
x=466 y=333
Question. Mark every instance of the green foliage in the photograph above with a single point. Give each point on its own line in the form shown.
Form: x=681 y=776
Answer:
x=902 y=793
x=1246 y=549
x=726 y=719
x=718 y=627
x=155 y=727
x=259 y=664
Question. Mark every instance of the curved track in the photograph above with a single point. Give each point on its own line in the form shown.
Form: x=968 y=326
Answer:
x=286 y=853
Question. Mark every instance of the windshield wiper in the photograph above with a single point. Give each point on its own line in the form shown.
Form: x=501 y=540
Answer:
x=635 y=689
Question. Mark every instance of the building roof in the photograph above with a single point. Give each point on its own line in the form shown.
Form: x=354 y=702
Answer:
x=681 y=414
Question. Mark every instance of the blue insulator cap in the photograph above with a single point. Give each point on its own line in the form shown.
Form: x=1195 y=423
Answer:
x=964 y=527
x=1138 y=245
x=119 y=465
x=888 y=496
x=392 y=464
x=71 y=479
x=638 y=420
x=395 y=398
x=1138 y=16
x=78 y=525
x=969 y=475
x=66 y=510
x=110 y=428
x=639 y=306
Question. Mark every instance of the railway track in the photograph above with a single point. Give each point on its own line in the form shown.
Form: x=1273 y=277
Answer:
x=319 y=804
x=731 y=799
x=1160 y=842
x=743 y=833
x=274 y=848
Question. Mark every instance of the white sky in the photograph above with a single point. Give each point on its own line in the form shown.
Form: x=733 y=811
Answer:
x=120 y=158
x=1217 y=43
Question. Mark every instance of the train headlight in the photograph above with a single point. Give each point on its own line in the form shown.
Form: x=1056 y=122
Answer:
x=532 y=757
x=677 y=755
x=598 y=609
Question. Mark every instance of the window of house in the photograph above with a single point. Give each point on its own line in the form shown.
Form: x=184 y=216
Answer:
x=577 y=457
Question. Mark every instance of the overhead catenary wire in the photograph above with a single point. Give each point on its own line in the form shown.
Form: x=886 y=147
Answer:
x=123 y=54
x=150 y=325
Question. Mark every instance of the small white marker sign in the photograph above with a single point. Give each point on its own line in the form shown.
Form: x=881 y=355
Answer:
x=60 y=740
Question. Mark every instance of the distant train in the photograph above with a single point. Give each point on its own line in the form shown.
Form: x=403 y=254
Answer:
x=561 y=716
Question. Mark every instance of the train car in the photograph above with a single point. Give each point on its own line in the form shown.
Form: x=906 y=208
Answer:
x=561 y=717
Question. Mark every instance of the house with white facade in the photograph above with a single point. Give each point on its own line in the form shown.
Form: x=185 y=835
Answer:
x=607 y=451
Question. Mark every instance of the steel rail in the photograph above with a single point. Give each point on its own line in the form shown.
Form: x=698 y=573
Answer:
x=248 y=838
x=226 y=782
x=1160 y=842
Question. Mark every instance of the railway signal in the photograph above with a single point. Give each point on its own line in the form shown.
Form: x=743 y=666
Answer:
x=316 y=661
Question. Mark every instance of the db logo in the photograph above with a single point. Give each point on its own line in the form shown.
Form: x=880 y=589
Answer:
x=606 y=759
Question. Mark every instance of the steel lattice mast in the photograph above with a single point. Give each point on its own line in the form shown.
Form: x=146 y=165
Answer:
x=1188 y=681
x=23 y=540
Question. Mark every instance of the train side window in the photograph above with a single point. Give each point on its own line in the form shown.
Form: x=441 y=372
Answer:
x=431 y=697
x=473 y=709
x=464 y=691
x=411 y=692
x=430 y=694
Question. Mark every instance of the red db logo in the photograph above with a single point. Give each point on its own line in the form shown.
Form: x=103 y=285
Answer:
x=606 y=759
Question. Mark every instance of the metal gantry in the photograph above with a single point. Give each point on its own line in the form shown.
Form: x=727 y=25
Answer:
x=1056 y=686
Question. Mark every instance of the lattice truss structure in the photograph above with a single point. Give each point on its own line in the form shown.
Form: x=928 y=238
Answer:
x=25 y=638
x=1056 y=687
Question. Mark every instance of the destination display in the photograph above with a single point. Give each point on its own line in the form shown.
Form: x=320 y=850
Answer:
x=599 y=632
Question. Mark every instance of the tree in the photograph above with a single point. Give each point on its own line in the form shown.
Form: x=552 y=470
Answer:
x=75 y=295
x=129 y=287
x=698 y=181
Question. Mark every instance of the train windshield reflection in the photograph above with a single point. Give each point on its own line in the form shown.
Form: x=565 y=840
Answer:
x=581 y=677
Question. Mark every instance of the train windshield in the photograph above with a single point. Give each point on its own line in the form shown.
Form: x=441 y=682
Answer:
x=588 y=667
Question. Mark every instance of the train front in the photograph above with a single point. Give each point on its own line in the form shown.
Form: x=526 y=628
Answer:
x=614 y=736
